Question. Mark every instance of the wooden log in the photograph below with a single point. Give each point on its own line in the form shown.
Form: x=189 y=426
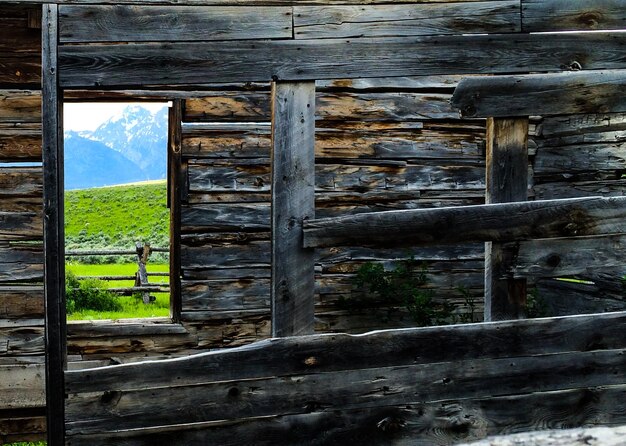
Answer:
x=84 y=23
x=610 y=157
x=21 y=182
x=507 y=181
x=490 y=222
x=226 y=217
x=20 y=106
x=20 y=302
x=349 y=389
x=563 y=298
x=602 y=435
x=175 y=196
x=22 y=386
x=370 y=106
x=568 y=125
x=568 y=256
x=569 y=15
x=334 y=352
x=221 y=295
x=541 y=94
x=20 y=145
x=54 y=238
x=222 y=2
x=430 y=424
x=327 y=22
x=21 y=226
x=122 y=65
x=22 y=341
x=21 y=262
x=293 y=202
x=20 y=425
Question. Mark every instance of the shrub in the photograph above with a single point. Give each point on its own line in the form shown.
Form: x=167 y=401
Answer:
x=403 y=285
x=90 y=294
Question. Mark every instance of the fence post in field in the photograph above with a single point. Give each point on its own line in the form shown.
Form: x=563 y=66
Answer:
x=141 y=278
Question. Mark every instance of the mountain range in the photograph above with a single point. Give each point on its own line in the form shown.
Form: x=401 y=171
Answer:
x=128 y=147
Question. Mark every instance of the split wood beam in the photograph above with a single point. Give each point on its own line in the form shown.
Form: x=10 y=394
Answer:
x=498 y=222
x=542 y=94
x=293 y=202
x=506 y=181
x=54 y=239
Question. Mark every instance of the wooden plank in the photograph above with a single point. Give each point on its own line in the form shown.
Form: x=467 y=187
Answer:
x=569 y=256
x=20 y=106
x=609 y=157
x=228 y=2
x=21 y=182
x=18 y=144
x=122 y=65
x=368 y=106
x=22 y=341
x=541 y=94
x=19 y=302
x=21 y=262
x=22 y=386
x=21 y=226
x=220 y=295
x=293 y=202
x=506 y=181
x=568 y=15
x=565 y=298
x=349 y=389
x=174 y=195
x=429 y=423
x=328 y=22
x=253 y=176
x=490 y=222
x=569 y=125
x=226 y=217
x=565 y=189
x=172 y=23
x=379 y=142
x=333 y=352
x=17 y=426
x=54 y=238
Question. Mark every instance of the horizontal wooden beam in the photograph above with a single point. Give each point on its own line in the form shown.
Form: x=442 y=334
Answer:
x=490 y=222
x=542 y=94
x=102 y=23
x=570 y=15
x=189 y=63
x=230 y=2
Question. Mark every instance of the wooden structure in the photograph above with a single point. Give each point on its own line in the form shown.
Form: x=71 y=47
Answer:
x=250 y=202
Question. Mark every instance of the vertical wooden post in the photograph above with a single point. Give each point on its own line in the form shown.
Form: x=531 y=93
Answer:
x=54 y=238
x=293 y=200
x=507 y=181
x=174 y=200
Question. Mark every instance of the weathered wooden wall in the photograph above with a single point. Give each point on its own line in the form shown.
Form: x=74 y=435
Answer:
x=434 y=386
x=22 y=396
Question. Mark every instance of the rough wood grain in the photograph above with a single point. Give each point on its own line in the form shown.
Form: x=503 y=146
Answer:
x=221 y=2
x=293 y=202
x=175 y=194
x=22 y=386
x=54 y=236
x=431 y=424
x=245 y=61
x=329 y=106
x=20 y=106
x=490 y=222
x=21 y=226
x=605 y=436
x=333 y=352
x=172 y=23
x=20 y=302
x=543 y=94
x=21 y=182
x=506 y=181
x=565 y=257
x=567 y=15
x=576 y=124
x=22 y=341
x=22 y=145
x=21 y=262
x=325 y=22
x=350 y=389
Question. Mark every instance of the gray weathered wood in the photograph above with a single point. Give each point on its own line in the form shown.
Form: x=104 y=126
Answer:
x=430 y=424
x=20 y=106
x=54 y=238
x=21 y=182
x=246 y=61
x=568 y=256
x=22 y=386
x=348 y=389
x=506 y=181
x=221 y=2
x=333 y=352
x=325 y=22
x=541 y=94
x=491 y=222
x=171 y=23
x=293 y=202
x=21 y=301
x=17 y=144
x=567 y=15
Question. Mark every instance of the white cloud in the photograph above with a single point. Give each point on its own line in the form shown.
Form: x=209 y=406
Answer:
x=89 y=115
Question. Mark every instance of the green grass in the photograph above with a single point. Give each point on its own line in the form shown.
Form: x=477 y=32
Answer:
x=39 y=443
x=116 y=217
x=132 y=306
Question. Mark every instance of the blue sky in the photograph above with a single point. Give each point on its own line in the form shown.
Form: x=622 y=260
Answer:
x=88 y=116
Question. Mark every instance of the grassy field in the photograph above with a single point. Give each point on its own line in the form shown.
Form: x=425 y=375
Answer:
x=132 y=306
x=117 y=217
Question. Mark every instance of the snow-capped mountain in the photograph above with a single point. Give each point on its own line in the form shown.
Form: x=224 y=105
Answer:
x=137 y=135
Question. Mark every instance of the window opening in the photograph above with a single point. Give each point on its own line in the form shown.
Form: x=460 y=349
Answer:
x=117 y=223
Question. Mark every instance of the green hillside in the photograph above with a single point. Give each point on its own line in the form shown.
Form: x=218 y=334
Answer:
x=117 y=217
